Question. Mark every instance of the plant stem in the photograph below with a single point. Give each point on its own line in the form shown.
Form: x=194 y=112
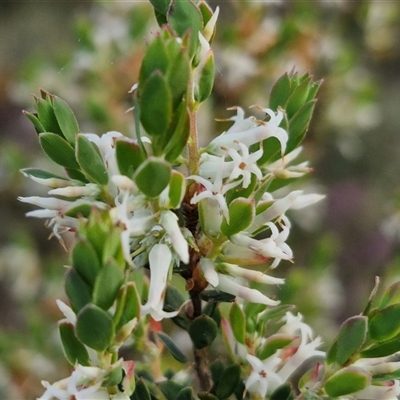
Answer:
x=203 y=369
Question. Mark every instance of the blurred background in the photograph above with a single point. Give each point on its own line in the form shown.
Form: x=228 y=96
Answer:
x=89 y=54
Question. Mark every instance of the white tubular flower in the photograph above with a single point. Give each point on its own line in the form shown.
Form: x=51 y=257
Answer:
x=294 y=325
x=266 y=247
x=160 y=258
x=240 y=123
x=106 y=145
x=51 y=203
x=279 y=207
x=245 y=164
x=67 y=311
x=83 y=384
x=169 y=222
x=51 y=182
x=59 y=222
x=306 y=200
x=209 y=29
x=89 y=190
x=279 y=238
x=253 y=134
x=249 y=274
x=210 y=165
x=135 y=223
x=215 y=191
x=228 y=285
x=303 y=352
x=124 y=183
x=280 y=169
x=263 y=378
x=208 y=269
x=386 y=391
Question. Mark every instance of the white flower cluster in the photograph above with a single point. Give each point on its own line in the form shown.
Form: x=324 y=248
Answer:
x=228 y=164
x=268 y=374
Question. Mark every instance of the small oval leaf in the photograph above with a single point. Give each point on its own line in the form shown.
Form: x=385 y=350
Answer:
x=107 y=285
x=238 y=322
x=74 y=350
x=66 y=119
x=172 y=347
x=153 y=176
x=346 y=381
x=85 y=261
x=90 y=160
x=203 y=330
x=94 y=327
x=78 y=292
x=58 y=149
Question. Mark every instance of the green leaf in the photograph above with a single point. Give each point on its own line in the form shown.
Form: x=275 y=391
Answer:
x=107 y=285
x=177 y=189
x=206 y=11
x=273 y=344
x=172 y=347
x=238 y=322
x=178 y=76
x=90 y=160
x=280 y=93
x=350 y=338
x=81 y=210
x=283 y=392
x=241 y=215
x=391 y=296
x=128 y=306
x=155 y=101
x=85 y=261
x=129 y=156
x=203 y=330
x=155 y=59
x=77 y=290
x=39 y=128
x=170 y=389
x=186 y=393
x=212 y=310
x=94 y=327
x=66 y=119
x=206 y=80
x=114 y=377
x=74 y=350
x=271 y=151
x=298 y=97
x=180 y=134
x=228 y=381
x=141 y=391
x=298 y=125
x=153 y=176
x=346 y=381
x=97 y=230
x=172 y=302
x=160 y=6
x=113 y=247
x=184 y=16
x=58 y=149
x=384 y=349
x=47 y=117
x=52 y=180
x=385 y=324
x=76 y=174
x=217 y=296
